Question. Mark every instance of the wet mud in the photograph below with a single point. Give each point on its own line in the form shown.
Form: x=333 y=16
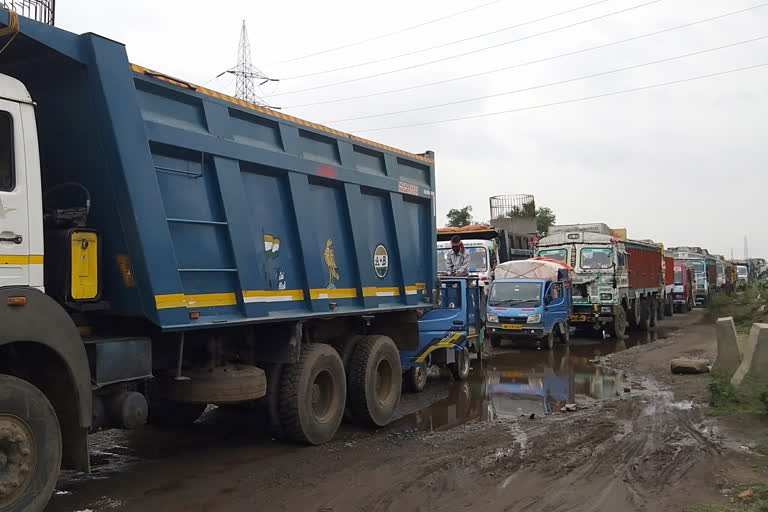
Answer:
x=458 y=445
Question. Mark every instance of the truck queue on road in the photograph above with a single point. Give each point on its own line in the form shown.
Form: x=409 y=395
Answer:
x=165 y=247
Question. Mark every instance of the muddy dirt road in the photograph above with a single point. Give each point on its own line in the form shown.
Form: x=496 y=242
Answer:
x=638 y=441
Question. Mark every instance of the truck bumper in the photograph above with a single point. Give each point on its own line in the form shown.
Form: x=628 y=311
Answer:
x=526 y=331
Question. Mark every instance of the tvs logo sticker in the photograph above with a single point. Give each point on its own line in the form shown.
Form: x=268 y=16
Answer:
x=381 y=261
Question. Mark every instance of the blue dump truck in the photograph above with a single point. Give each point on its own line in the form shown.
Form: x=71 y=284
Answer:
x=164 y=247
x=530 y=299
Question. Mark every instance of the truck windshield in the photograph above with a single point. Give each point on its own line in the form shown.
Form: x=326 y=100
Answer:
x=698 y=266
x=478 y=259
x=678 y=276
x=515 y=294
x=743 y=271
x=596 y=258
x=555 y=254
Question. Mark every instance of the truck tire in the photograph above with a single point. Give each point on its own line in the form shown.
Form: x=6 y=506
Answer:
x=416 y=378
x=645 y=315
x=375 y=380
x=659 y=308
x=30 y=446
x=565 y=333
x=312 y=395
x=682 y=308
x=460 y=368
x=166 y=413
x=619 y=326
x=668 y=309
x=634 y=313
x=270 y=403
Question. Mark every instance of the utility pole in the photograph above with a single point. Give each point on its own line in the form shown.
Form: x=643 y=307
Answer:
x=746 y=248
x=246 y=73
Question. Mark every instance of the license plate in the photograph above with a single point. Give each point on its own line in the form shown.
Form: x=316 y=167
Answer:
x=512 y=327
x=579 y=318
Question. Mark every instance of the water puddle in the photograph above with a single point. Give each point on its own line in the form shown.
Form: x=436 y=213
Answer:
x=520 y=380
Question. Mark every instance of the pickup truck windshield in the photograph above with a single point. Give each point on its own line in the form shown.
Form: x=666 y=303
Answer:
x=478 y=261
x=596 y=258
x=678 y=276
x=555 y=254
x=515 y=294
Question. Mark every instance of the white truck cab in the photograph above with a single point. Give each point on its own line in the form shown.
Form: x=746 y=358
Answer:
x=482 y=259
x=21 y=212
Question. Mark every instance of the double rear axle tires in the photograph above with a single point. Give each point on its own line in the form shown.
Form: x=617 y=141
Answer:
x=374 y=381
x=312 y=393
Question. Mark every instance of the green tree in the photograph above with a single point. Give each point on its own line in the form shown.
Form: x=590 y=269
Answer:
x=545 y=218
x=459 y=217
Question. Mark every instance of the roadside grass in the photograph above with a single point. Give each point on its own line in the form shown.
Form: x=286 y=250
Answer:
x=751 y=397
x=746 y=308
x=758 y=502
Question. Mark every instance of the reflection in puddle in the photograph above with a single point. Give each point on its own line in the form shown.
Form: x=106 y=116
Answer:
x=525 y=381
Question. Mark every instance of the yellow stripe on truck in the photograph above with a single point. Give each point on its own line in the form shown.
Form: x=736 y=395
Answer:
x=21 y=259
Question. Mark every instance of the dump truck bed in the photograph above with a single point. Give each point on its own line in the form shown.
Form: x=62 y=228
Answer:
x=209 y=205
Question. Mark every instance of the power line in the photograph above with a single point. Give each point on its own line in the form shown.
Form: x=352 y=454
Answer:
x=451 y=43
x=420 y=65
x=388 y=34
x=565 y=102
x=523 y=64
x=550 y=84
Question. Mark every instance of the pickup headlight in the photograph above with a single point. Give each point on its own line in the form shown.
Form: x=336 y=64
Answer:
x=534 y=319
x=493 y=318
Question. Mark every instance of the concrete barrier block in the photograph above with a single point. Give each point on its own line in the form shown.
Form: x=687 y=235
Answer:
x=728 y=353
x=755 y=360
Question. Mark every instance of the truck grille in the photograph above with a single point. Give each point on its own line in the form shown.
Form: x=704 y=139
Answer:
x=513 y=319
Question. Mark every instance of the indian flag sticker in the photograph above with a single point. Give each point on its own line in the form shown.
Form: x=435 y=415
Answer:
x=381 y=261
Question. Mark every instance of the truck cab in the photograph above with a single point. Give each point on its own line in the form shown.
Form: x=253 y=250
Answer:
x=530 y=308
x=684 y=291
x=482 y=260
x=448 y=333
x=742 y=276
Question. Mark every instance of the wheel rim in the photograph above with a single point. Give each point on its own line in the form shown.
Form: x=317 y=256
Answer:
x=322 y=396
x=463 y=362
x=384 y=378
x=18 y=456
x=420 y=372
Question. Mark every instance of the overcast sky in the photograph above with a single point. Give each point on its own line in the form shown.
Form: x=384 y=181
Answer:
x=684 y=164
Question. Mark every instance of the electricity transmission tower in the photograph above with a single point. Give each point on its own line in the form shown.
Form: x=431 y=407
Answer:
x=246 y=73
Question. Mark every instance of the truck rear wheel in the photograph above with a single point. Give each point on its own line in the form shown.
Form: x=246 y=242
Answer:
x=30 y=446
x=312 y=395
x=460 y=369
x=416 y=378
x=645 y=315
x=634 y=313
x=668 y=309
x=658 y=307
x=375 y=380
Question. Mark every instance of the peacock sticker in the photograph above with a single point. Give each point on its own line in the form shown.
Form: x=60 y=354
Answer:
x=330 y=261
